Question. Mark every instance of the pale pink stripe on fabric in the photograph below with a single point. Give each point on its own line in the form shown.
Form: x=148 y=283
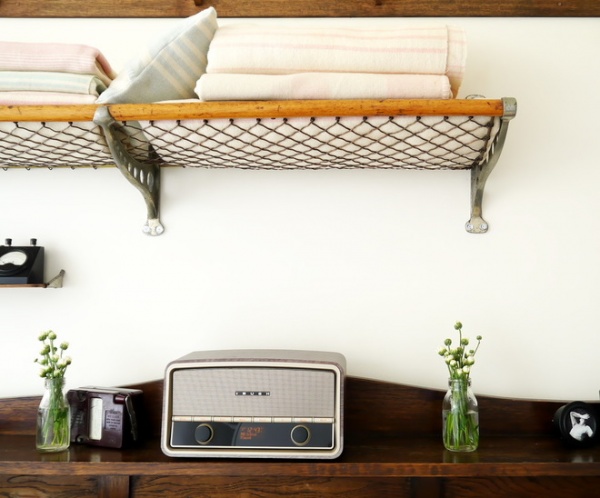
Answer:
x=56 y=57
x=247 y=49
x=47 y=98
x=457 y=57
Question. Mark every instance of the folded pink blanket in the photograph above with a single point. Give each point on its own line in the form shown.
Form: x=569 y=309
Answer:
x=259 y=49
x=56 y=57
x=305 y=86
x=40 y=98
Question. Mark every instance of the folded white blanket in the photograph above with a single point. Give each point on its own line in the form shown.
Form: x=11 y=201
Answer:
x=42 y=81
x=55 y=57
x=305 y=86
x=49 y=98
x=259 y=49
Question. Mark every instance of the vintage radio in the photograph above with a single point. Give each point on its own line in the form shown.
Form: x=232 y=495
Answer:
x=254 y=403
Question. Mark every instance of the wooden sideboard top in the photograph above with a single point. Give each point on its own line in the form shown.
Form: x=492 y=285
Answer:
x=391 y=430
x=393 y=456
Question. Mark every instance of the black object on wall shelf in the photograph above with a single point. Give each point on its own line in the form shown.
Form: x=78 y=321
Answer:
x=23 y=266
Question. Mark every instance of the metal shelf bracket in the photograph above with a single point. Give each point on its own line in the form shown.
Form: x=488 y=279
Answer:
x=481 y=172
x=144 y=176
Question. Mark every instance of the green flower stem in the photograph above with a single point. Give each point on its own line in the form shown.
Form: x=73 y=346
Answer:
x=54 y=420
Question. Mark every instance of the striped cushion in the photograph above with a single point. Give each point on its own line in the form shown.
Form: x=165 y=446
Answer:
x=170 y=67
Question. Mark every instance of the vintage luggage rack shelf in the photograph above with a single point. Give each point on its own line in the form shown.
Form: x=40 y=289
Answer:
x=463 y=134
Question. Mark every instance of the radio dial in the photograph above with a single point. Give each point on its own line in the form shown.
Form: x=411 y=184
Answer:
x=203 y=434
x=300 y=435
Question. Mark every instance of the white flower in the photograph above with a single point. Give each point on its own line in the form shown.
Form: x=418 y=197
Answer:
x=51 y=357
x=459 y=359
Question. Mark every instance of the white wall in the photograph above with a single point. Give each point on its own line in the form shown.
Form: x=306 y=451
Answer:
x=373 y=264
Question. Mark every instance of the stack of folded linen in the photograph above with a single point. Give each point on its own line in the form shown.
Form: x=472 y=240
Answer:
x=252 y=62
x=52 y=73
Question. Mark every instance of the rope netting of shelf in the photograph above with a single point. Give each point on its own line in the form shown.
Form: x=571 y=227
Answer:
x=409 y=142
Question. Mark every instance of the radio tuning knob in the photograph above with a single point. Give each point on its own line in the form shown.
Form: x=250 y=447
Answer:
x=300 y=435
x=203 y=434
x=8 y=242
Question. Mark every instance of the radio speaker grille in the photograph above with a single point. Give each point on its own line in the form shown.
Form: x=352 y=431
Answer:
x=254 y=392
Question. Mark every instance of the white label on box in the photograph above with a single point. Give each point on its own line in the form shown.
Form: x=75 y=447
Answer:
x=96 y=419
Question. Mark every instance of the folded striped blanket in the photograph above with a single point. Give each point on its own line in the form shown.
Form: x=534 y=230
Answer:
x=259 y=49
x=40 y=81
x=306 y=86
x=55 y=57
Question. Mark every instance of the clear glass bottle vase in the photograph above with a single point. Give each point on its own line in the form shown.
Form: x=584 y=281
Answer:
x=53 y=432
x=460 y=415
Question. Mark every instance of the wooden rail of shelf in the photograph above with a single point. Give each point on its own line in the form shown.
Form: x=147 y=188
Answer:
x=258 y=109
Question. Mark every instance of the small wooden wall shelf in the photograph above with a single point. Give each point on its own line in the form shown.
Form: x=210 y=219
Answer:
x=54 y=283
x=393 y=447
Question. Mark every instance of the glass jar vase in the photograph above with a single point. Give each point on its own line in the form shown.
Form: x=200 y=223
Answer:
x=53 y=432
x=460 y=415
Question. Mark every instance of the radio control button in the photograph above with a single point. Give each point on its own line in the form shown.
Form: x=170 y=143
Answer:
x=262 y=420
x=197 y=418
x=182 y=418
x=242 y=419
x=282 y=420
x=302 y=420
x=222 y=419
x=323 y=420
x=203 y=434
x=300 y=435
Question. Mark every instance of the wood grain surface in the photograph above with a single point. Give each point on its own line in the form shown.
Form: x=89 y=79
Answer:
x=302 y=8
